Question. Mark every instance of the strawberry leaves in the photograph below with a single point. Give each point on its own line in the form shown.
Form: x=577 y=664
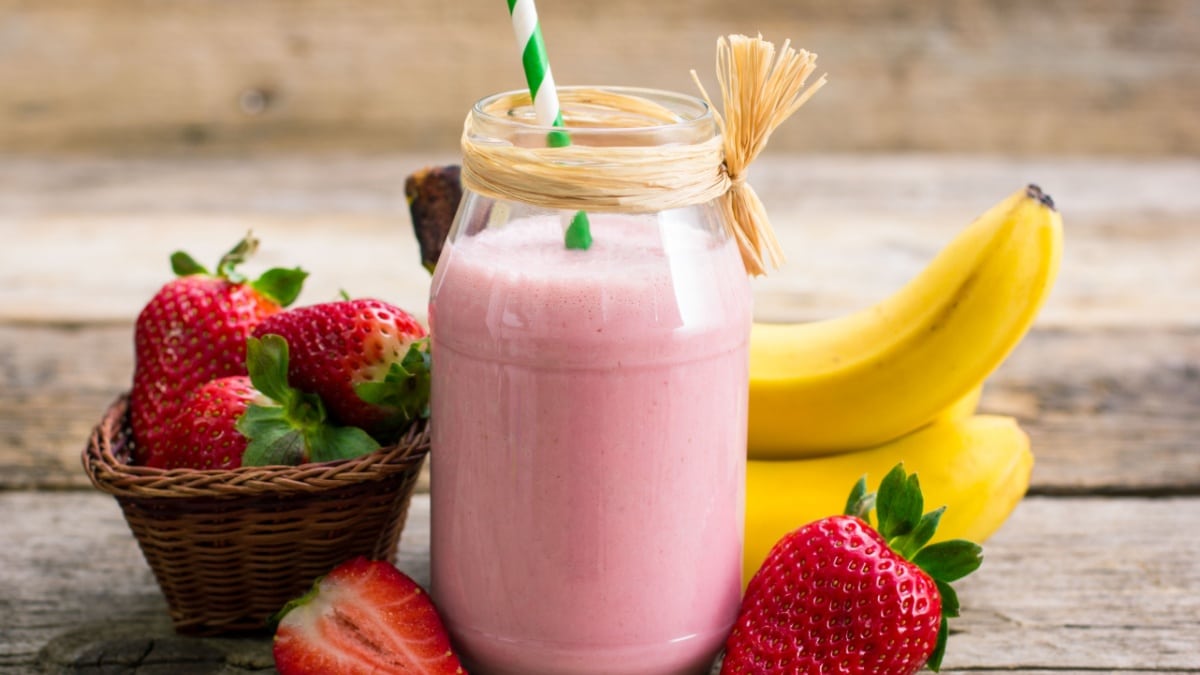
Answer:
x=353 y=353
x=898 y=506
x=950 y=607
x=184 y=265
x=899 y=503
x=295 y=430
x=273 y=440
x=908 y=544
x=406 y=385
x=945 y=562
x=267 y=363
x=939 y=650
x=279 y=284
x=860 y=502
x=949 y=560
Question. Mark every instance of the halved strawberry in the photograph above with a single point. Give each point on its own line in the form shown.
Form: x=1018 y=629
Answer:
x=363 y=617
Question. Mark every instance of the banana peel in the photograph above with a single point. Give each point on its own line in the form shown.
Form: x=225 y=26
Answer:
x=963 y=407
x=978 y=467
x=856 y=381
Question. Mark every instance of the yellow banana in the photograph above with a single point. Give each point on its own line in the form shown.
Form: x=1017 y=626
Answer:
x=963 y=407
x=869 y=377
x=978 y=467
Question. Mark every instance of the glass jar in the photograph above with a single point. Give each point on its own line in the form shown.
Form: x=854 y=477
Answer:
x=589 y=422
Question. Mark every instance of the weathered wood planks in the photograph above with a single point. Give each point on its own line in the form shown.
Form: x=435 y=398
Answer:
x=285 y=75
x=1068 y=585
x=1109 y=411
x=1094 y=573
x=88 y=240
x=1107 y=384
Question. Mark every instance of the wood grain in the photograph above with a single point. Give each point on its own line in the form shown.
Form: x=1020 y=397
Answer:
x=1055 y=595
x=1109 y=411
x=1087 y=584
x=88 y=240
x=213 y=76
x=1106 y=384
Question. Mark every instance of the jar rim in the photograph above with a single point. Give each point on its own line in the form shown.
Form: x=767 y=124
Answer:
x=689 y=111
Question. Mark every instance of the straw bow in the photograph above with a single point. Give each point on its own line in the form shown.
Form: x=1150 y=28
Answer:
x=760 y=88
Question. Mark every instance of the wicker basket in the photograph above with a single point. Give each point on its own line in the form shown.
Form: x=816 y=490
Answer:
x=229 y=548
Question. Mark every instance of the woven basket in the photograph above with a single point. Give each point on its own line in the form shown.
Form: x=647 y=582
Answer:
x=230 y=548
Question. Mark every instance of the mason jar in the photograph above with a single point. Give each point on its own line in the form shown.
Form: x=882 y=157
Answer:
x=588 y=412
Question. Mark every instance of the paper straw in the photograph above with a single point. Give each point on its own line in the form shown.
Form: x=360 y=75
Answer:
x=545 y=97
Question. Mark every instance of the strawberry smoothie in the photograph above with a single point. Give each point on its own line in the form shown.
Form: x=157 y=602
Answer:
x=588 y=466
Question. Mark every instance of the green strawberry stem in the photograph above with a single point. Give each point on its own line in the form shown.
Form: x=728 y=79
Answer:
x=898 y=506
x=294 y=431
x=241 y=251
x=279 y=284
x=299 y=601
x=406 y=385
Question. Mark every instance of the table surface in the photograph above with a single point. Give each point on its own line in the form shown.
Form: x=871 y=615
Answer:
x=1096 y=571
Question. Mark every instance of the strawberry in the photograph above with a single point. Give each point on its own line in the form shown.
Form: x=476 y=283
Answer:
x=231 y=421
x=365 y=358
x=839 y=596
x=363 y=617
x=204 y=435
x=194 y=330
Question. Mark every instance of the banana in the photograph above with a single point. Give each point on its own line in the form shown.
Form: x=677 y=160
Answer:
x=963 y=407
x=863 y=379
x=977 y=467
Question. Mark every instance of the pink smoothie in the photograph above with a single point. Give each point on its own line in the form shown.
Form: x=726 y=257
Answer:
x=588 y=466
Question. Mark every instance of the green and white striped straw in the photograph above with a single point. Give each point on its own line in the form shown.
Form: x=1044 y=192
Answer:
x=545 y=97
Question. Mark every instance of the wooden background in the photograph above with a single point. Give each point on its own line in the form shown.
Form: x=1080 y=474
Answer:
x=1095 y=572
x=131 y=128
x=242 y=76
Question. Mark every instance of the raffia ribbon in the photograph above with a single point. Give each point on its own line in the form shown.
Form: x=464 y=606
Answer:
x=760 y=88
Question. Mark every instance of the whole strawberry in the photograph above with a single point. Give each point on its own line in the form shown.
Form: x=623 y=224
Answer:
x=256 y=420
x=203 y=434
x=363 y=617
x=839 y=596
x=365 y=358
x=194 y=330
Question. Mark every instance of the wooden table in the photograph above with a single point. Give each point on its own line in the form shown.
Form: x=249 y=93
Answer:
x=1096 y=571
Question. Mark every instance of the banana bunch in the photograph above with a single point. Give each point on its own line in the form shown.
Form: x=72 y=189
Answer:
x=899 y=382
